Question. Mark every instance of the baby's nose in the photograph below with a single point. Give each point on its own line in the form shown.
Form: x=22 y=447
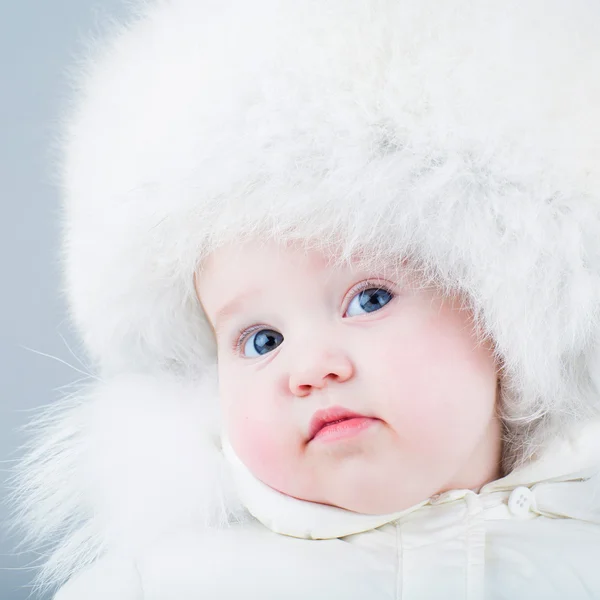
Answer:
x=321 y=371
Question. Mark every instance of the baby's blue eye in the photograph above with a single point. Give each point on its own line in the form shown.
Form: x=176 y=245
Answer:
x=262 y=342
x=368 y=301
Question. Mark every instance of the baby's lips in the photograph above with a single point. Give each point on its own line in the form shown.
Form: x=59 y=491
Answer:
x=323 y=417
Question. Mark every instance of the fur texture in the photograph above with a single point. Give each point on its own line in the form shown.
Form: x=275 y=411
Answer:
x=119 y=465
x=463 y=135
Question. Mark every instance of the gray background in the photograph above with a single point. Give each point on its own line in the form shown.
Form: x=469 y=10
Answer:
x=38 y=42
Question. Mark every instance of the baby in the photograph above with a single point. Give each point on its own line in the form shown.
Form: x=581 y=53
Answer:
x=386 y=214
x=349 y=387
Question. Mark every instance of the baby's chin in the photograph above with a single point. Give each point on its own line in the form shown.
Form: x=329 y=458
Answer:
x=368 y=474
x=368 y=484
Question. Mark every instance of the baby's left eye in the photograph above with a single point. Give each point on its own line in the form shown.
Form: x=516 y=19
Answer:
x=368 y=301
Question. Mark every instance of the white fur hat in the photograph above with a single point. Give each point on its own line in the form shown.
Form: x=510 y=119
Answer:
x=463 y=134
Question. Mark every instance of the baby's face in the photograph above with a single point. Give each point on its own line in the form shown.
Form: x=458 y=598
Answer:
x=301 y=344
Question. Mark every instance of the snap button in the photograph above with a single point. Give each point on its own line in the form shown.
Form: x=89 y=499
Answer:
x=520 y=501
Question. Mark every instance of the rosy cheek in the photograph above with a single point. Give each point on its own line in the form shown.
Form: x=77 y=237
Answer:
x=257 y=423
x=442 y=387
x=258 y=446
x=416 y=397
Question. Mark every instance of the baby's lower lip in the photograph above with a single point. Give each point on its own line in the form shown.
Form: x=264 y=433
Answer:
x=344 y=429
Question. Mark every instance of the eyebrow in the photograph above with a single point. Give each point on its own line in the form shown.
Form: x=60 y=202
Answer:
x=231 y=307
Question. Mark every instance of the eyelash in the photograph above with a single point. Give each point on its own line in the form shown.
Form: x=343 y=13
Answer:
x=242 y=336
x=245 y=332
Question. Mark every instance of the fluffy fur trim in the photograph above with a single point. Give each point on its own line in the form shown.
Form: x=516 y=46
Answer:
x=118 y=465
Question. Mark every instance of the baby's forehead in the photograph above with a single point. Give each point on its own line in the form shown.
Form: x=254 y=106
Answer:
x=259 y=266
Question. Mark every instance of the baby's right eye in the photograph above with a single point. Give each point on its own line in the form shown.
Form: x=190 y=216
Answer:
x=261 y=342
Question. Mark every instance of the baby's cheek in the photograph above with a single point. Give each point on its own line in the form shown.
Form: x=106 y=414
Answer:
x=257 y=444
x=444 y=393
x=257 y=425
x=417 y=390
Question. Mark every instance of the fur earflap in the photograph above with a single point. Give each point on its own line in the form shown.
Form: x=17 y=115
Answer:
x=118 y=465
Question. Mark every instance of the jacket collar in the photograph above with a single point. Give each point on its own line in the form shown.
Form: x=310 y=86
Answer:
x=566 y=459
